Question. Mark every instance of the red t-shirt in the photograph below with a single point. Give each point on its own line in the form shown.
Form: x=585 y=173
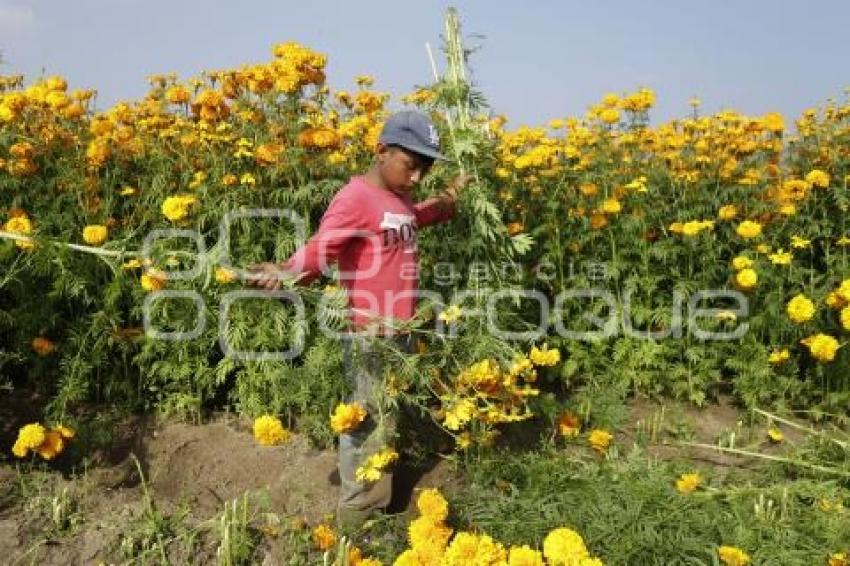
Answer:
x=371 y=233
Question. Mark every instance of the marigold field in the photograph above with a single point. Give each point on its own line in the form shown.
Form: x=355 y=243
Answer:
x=622 y=434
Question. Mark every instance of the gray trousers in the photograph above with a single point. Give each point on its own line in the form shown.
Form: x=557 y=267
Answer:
x=366 y=368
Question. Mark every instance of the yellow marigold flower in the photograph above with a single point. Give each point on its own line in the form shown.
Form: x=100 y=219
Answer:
x=95 y=234
x=324 y=537
x=688 y=483
x=732 y=556
x=247 y=179
x=432 y=504
x=52 y=446
x=835 y=301
x=845 y=318
x=800 y=309
x=177 y=95
x=610 y=115
x=269 y=431
x=22 y=150
x=153 y=280
x=741 y=262
x=134 y=263
x=224 y=275
x=843 y=290
x=524 y=556
x=746 y=279
x=347 y=417
x=838 y=559
x=564 y=546
x=779 y=356
x=468 y=548
x=65 y=432
x=843 y=241
x=727 y=212
x=127 y=191
x=787 y=209
x=426 y=532
x=32 y=436
x=817 y=178
x=763 y=249
x=372 y=469
x=821 y=346
x=800 y=242
x=774 y=122
x=177 y=207
x=611 y=206
x=600 y=439
x=450 y=314
x=19 y=450
x=544 y=356
x=268 y=153
x=726 y=316
x=229 y=180
x=42 y=346
x=749 y=229
x=775 y=435
x=781 y=257
x=97 y=152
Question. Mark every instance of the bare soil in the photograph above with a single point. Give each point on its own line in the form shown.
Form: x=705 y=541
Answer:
x=197 y=468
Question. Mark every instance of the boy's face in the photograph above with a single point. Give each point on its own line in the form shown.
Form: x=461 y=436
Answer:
x=401 y=170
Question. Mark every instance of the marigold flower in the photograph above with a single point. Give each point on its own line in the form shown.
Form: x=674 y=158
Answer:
x=741 y=262
x=800 y=242
x=838 y=559
x=781 y=257
x=224 y=275
x=564 y=546
x=153 y=280
x=775 y=435
x=821 y=346
x=52 y=445
x=269 y=431
x=432 y=504
x=42 y=346
x=177 y=207
x=95 y=234
x=732 y=556
x=569 y=424
x=817 y=178
x=727 y=212
x=845 y=318
x=32 y=436
x=524 y=556
x=600 y=439
x=746 y=279
x=426 y=532
x=451 y=314
x=347 y=417
x=749 y=229
x=467 y=548
x=779 y=356
x=800 y=309
x=688 y=483
x=544 y=356
x=324 y=537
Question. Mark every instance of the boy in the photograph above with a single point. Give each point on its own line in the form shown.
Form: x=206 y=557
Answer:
x=370 y=229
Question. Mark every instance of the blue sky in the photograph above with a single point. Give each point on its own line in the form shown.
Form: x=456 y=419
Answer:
x=537 y=60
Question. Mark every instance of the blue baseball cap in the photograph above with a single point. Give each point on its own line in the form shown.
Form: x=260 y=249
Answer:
x=413 y=131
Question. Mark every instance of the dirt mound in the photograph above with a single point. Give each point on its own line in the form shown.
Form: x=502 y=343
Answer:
x=210 y=464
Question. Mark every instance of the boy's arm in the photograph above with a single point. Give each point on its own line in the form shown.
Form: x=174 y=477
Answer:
x=338 y=226
x=441 y=208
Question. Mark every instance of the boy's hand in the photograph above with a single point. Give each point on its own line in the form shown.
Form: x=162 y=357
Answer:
x=266 y=275
x=456 y=186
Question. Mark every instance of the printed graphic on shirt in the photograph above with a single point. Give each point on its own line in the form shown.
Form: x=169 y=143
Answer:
x=399 y=230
